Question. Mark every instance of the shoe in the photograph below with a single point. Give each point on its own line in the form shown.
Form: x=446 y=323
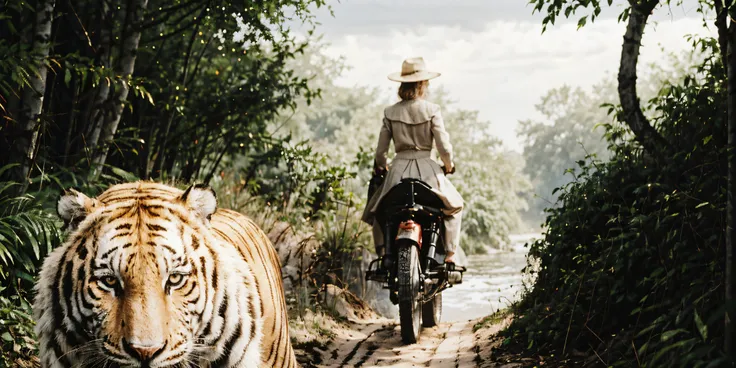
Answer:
x=450 y=257
x=394 y=297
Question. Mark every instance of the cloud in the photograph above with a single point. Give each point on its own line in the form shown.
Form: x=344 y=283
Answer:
x=383 y=16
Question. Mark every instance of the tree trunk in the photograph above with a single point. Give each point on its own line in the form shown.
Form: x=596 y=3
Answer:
x=29 y=123
x=632 y=115
x=134 y=18
x=721 y=23
x=730 y=58
x=97 y=109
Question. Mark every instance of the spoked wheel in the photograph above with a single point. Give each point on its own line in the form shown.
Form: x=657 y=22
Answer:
x=410 y=309
x=432 y=311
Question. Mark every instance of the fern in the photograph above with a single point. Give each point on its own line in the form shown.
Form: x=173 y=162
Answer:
x=27 y=234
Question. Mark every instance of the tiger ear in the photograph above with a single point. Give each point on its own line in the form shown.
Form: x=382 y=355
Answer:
x=73 y=206
x=201 y=199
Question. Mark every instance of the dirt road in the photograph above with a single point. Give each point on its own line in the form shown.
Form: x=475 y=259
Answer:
x=377 y=343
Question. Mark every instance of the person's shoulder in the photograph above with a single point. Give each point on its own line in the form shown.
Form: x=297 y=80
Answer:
x=431 y=107
x=394 y=107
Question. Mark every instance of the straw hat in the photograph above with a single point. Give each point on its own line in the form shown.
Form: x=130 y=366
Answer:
x=413 y=70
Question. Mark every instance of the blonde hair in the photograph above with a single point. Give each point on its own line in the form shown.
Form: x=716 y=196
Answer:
x=413 y=90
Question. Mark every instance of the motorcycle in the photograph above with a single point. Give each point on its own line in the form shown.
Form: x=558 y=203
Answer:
x=413 y=265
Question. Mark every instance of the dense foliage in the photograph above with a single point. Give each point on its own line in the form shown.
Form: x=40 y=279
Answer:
x=630 y=267
x=163 y=55
x=27 y=235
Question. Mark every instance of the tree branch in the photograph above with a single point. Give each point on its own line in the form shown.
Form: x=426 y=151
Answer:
x=722 y=26
x=162 y=17
x=633 y=116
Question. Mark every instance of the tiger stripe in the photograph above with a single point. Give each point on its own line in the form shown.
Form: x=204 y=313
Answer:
x=234 y=228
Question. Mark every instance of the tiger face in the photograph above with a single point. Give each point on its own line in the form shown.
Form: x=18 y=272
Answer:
x=136 y=284
x=141 y=274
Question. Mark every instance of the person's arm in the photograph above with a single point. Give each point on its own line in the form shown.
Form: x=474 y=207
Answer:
x=384 y=140
x=442 y=139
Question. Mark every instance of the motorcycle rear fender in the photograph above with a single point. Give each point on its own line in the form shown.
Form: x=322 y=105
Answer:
x=410 y=231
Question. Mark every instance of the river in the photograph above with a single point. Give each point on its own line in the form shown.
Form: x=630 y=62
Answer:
x=493 y=281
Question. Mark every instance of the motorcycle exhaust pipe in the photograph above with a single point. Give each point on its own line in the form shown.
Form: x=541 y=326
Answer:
x=455 y=277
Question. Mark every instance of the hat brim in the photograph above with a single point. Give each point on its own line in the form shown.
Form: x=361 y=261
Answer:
x=414 y=77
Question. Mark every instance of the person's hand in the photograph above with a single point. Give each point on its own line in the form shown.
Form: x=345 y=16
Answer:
x=379 y=170
x=450 y=170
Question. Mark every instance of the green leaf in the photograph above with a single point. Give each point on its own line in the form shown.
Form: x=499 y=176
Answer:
x=670 y=334
x=677 y=345
x=6 y=336
x=702 y=327
x=582 y=22
x=127 y=176
x=6 y=168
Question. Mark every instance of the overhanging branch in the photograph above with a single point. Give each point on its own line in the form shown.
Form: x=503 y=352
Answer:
x=632 y=114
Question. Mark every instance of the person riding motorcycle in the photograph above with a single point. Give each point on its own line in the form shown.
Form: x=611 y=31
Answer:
x=414 y=124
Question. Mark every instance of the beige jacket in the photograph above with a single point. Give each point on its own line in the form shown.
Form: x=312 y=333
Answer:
x=415 y=126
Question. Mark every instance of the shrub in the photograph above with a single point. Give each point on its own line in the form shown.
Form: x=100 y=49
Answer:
x=631 y=268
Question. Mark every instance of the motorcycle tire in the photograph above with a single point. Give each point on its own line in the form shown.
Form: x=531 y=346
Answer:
x=432 y=311
x=410 y=309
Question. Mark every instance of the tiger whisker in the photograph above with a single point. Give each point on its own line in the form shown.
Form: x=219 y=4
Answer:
x=191 y=363
x=95 y=362
x=88 y=345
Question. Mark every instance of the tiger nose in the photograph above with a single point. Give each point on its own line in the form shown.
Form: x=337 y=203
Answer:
x=143 y=352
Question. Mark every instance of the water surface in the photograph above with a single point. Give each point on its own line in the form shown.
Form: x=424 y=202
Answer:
x=493 y=281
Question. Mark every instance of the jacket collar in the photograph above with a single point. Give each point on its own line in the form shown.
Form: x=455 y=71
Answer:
x=411 y=112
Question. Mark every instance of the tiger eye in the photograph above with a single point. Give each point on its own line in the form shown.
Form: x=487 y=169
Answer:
x=176 y=279
x=109 y=281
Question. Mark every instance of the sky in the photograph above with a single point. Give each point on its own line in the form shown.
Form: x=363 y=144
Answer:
x=492 y=54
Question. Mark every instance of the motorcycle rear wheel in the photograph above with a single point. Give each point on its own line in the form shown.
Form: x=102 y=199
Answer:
x=410 y=309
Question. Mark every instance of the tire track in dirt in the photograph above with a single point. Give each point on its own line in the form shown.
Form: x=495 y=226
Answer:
x=378 y=344
x=364 y=350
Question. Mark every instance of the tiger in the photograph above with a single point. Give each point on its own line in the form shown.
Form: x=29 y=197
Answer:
x=153 y=276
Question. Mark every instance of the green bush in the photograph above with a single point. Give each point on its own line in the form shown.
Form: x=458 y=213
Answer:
x=17 y=340
x=630 y=268
x=27 y=234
